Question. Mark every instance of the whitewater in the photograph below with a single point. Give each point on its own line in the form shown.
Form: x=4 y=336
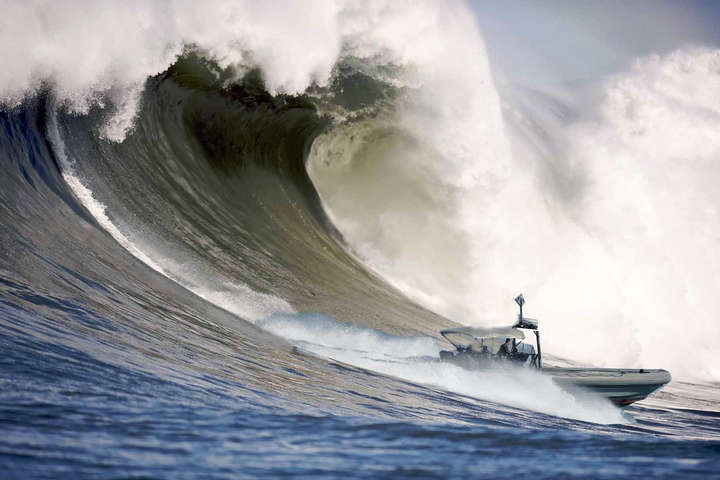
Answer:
x=229 y=238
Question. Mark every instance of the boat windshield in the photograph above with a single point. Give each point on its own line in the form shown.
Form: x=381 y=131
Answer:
x=464 y=341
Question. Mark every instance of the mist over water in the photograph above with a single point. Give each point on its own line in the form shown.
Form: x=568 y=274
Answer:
x=597 y=201
x=648 y=160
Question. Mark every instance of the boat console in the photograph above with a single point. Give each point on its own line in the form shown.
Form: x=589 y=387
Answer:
x=476 y=347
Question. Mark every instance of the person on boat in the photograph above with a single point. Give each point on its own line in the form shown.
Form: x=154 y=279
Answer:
x=504 y=350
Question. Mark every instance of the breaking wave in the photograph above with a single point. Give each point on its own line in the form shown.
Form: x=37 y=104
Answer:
x=199 y=183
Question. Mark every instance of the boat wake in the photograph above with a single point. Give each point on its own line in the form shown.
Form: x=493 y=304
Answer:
x=415 y=359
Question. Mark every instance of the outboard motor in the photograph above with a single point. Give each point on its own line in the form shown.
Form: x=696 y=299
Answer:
x=446 y=354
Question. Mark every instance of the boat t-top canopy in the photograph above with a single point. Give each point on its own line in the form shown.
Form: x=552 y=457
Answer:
x=485 y=332
x=488 y=339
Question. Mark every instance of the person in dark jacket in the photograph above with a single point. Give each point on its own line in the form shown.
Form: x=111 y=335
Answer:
x=504 y=350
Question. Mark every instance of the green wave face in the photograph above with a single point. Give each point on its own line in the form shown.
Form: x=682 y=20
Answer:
x=214 y=175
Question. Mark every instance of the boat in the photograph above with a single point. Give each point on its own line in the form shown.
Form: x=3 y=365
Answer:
x=481 y=348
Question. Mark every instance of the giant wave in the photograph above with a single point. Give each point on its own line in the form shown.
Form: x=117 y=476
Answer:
x=288 y=220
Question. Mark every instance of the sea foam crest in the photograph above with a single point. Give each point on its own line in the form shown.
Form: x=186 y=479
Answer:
x=100 y=53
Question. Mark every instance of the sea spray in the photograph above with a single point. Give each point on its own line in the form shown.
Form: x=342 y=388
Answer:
x=416 y=359
x=606 y=212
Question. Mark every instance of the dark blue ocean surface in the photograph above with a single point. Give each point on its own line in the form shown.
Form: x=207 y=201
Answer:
x=65 y=414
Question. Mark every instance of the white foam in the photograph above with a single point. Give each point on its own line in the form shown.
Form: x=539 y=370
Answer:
x=415 y=359
x=101 y=53
x=237 y=298
x=323 y=332
x=648 y=220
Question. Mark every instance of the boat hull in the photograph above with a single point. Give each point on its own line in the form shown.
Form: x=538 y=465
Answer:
x=622 y=386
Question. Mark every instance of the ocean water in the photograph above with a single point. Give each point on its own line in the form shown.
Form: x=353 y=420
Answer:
x=226 y=252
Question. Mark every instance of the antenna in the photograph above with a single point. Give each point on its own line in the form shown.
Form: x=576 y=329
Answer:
x=520 y=300
x=523 y=322
x=531 y=324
